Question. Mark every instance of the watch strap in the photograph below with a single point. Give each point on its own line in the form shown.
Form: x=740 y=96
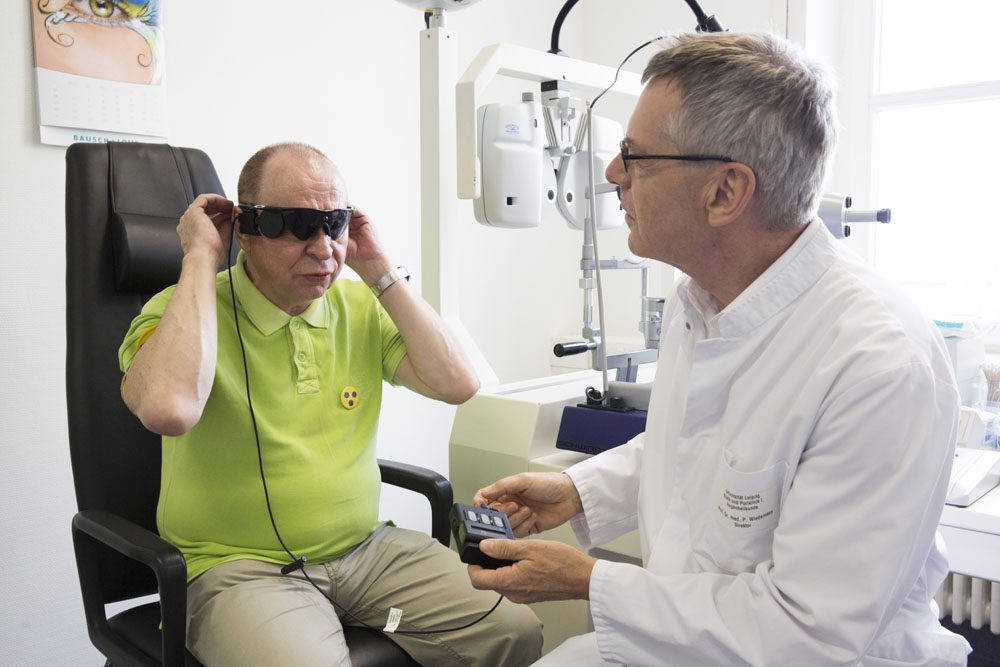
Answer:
x=386 y=281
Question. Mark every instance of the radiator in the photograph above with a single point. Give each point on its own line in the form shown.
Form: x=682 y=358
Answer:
x=970 y=599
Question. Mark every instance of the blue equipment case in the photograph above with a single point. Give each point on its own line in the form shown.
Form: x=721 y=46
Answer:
x=594 y=430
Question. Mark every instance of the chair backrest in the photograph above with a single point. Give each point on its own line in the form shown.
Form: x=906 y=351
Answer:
x=123 y=202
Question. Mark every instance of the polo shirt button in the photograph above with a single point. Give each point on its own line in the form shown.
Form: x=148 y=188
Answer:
x=295 y=324
x=302 y=356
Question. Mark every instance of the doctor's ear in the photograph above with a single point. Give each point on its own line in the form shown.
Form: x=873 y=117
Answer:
x=729 y=193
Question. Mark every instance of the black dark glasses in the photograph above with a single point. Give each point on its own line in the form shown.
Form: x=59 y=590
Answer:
x=272 y=221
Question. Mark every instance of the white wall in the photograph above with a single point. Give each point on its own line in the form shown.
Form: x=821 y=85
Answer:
x=343 y=76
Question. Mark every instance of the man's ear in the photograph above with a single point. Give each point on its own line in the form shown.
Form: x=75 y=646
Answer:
x=244 y=242
x=729 y=193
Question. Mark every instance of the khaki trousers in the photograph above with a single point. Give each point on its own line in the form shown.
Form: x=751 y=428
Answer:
x=247 y=613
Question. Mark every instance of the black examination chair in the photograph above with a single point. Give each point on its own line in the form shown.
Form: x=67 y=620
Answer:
x=122 y=206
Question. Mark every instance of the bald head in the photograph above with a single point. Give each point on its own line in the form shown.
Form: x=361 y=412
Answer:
x=287 y=167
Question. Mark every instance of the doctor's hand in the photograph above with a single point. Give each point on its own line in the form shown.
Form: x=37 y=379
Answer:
x=544 y=571
x=207 y=226
x=364 y=252
x=533 y=501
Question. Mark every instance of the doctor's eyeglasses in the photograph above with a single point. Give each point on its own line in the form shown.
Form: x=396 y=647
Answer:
x=272 y=221
x=628 y=156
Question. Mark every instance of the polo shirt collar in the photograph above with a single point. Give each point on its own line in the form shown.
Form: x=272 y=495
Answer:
x=263 y=314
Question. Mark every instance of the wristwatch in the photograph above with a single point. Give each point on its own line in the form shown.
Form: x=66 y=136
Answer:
x=386 y=281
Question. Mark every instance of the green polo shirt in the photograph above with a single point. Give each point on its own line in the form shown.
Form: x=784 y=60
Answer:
x=318 y=450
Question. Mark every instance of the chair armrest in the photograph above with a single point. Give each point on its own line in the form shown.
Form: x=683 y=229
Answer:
x=96 y=530
x=429 y=484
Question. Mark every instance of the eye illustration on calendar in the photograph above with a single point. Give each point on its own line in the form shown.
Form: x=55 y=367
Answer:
x=103 y=39
x=100 y=69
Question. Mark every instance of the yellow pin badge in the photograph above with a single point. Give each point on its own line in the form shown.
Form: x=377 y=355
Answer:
x=349 y=397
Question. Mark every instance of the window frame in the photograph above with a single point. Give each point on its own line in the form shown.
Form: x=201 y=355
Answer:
x=860 y=103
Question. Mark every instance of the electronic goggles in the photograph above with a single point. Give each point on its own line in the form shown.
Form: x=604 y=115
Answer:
x=272 y=221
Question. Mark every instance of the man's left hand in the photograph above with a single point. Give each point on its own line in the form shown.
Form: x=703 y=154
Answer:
x=364 y=253
x=544 y=570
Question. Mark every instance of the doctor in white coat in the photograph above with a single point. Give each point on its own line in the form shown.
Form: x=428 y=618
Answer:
x=802 y=422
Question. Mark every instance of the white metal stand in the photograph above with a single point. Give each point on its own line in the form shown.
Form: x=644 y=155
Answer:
x=439 y=215
x=448 y=150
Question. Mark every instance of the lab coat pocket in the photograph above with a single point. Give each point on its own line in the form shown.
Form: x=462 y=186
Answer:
x=738 y=530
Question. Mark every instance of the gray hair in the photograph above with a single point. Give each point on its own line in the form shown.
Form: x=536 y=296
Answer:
x=758 y=99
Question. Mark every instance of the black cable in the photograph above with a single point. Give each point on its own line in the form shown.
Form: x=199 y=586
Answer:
x=705 y=23
x=434 y=632
x=253 y=417
x=698 y=12
x=298 y=562
x=557 y=26
x=618 y=71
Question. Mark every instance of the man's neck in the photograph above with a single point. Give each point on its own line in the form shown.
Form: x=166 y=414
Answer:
x=738 y=259
x=293 y=310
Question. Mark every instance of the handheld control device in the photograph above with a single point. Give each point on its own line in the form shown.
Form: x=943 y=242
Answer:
x=470 y=525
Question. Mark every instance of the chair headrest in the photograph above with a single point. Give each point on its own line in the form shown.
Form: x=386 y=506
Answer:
x=147 y=252
x=150 y=186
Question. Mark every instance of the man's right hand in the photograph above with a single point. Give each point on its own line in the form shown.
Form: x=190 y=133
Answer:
x=533 y=501
x=207 y=225
x=172 y=373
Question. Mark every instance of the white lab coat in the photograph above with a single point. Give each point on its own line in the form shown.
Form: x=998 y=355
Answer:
x=789 y=484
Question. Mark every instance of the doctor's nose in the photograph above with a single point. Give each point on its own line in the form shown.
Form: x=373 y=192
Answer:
x=615 y=173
